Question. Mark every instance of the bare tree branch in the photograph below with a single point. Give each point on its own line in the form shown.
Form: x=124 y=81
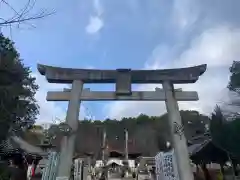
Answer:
x=23 y=15
x=17 y=20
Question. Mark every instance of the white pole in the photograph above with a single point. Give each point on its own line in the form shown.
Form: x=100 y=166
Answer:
x=104 y=146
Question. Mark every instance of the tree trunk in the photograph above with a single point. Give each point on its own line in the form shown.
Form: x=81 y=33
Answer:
x=234 y=164
x=222 y=171
x=206 y=172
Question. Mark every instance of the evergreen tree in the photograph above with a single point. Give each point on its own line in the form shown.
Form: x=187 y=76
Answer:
x=225 y=134
x=18 y=108
x=234 y=83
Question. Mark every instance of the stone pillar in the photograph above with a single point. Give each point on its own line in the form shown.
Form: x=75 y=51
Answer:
x=177 y=133
x=68 y=142
x=126 y=145
x=104 y=147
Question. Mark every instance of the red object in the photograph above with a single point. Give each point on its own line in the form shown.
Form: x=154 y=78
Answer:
x=33 y=171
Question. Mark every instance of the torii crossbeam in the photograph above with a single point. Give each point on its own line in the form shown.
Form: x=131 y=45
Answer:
x=87 y=95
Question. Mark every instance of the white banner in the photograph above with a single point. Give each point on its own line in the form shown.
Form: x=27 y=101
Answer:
x=166 y=168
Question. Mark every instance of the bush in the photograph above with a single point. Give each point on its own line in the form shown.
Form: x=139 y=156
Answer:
x=4 y=174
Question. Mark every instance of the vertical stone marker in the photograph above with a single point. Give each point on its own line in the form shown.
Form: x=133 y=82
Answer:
x=124 y=78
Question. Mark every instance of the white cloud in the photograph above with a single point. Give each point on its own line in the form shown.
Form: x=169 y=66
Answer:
x=185 y=13
x=96 y=22
x=51 y=111
x=216 y=47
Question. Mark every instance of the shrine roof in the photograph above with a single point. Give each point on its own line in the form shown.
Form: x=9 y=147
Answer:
x=16 y=144
x=207 y=152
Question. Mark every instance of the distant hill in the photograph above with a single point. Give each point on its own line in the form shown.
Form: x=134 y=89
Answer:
x=147 y=134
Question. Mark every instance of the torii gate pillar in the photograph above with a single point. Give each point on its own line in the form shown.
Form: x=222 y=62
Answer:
x=177 y=133
x=68 y=142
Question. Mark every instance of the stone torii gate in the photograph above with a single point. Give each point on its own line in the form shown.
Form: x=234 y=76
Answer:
x=124 y=78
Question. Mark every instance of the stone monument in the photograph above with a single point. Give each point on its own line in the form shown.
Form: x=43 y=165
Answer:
x=123 y=78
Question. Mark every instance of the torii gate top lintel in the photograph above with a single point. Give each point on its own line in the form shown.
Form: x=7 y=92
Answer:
x=68 y=75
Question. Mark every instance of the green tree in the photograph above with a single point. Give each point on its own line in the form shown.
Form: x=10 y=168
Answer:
x=225 y=134
x=147 y=134
x=218 y=127
x=234 y=83
x=18 y=108
x=232 y=109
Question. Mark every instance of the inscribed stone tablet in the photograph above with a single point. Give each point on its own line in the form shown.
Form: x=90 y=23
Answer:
x=123 y=82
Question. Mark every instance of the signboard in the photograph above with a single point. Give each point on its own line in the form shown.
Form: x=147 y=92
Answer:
x=166 y=168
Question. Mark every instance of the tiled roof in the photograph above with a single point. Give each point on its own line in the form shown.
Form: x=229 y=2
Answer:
x=8 y=146
x=17 y=144
x=197 y=147
x=198 y=142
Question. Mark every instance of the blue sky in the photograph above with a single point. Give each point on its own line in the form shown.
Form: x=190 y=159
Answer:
x=137 y=34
